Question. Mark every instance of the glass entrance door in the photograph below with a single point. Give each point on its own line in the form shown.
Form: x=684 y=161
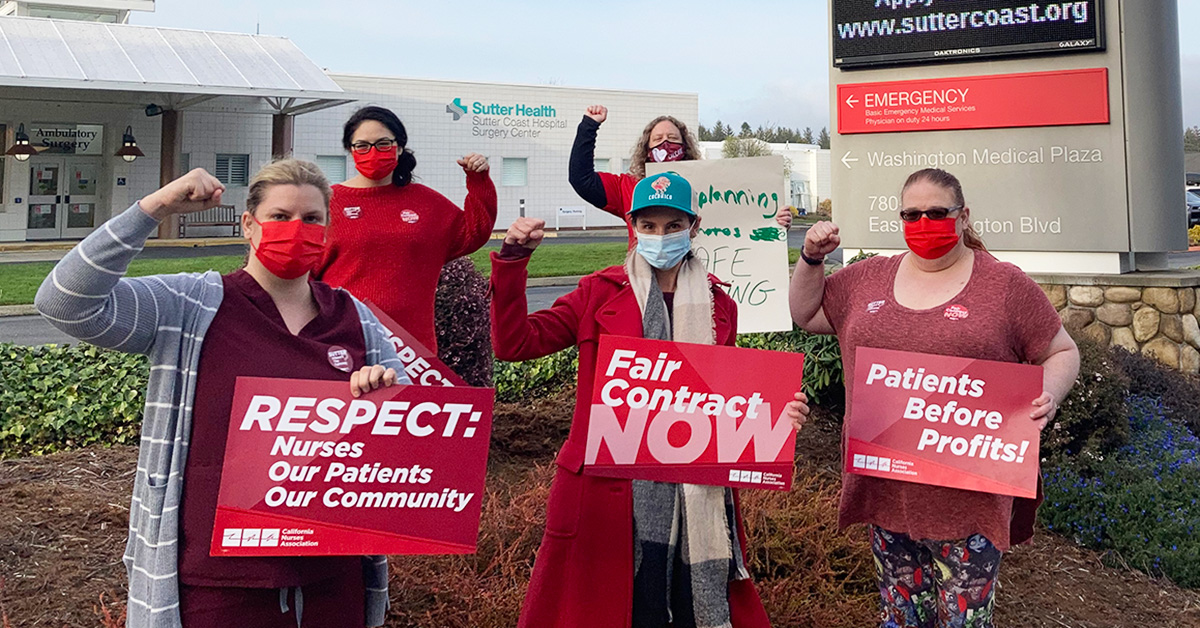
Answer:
x=63 y=196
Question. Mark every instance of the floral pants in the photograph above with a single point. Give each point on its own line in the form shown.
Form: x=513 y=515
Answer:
x=935 y=584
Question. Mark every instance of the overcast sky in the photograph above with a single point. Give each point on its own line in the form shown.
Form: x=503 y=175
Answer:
x=760 y=61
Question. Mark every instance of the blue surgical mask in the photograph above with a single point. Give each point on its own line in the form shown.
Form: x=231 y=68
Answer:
x=664 y=251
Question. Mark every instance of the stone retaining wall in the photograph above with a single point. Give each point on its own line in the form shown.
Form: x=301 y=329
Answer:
x=1154 y=313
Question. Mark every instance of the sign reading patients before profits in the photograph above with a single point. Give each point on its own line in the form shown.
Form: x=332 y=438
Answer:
x=1062 y=158
x=700 y=414
x=869 y=33
x=739 y=240
x=945 y=421
x=311 y=471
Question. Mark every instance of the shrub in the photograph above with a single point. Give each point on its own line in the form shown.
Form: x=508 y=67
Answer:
x=1194 y=236
x=464 y=333
x=822 y=360
x=1092 y=419
x=64 y=397
x=1179 y=393
x=825 y=207
x=1141 y=502
x=516 y=381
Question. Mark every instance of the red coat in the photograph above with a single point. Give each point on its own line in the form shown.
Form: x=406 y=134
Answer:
x=583 y=575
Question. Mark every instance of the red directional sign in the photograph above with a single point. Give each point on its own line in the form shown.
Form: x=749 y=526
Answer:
x=1069 y=97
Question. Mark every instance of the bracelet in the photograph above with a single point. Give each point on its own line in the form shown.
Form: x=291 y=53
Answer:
x=810 y=261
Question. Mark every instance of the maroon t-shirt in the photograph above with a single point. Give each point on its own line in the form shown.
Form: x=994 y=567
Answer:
x=249 y=338
x=1007 y=319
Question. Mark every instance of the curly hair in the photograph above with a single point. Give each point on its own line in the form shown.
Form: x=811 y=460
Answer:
x=637 y=161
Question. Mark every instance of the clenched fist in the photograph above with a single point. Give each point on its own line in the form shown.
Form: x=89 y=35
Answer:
x=474 y=162
x=599 y=113
x=193 y=192
x=528 y=232
x=821 y=240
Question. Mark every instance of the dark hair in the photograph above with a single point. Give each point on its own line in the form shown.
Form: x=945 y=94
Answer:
x=944 y=179
x=407 y=161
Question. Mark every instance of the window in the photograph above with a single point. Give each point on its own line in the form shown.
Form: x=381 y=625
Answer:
x=515 y=171
x=334 y=167
x=233 y=170
x=185 y=163
x=625 y=163
x=4 y=142
x=600 y=165
x=68 y=14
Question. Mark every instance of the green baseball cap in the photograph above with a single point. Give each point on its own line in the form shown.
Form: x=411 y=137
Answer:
x=663 y=190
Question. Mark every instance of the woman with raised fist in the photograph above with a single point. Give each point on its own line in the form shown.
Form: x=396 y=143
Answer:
x=202 y=332
x=615 y=552
x=388 y=236
x=665 y=139
x=937 y=549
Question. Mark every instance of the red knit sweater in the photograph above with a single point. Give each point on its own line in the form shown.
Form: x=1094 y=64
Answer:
x=388 y=245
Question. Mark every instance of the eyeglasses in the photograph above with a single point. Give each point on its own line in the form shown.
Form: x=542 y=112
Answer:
x=933 y=213
x=385 y=145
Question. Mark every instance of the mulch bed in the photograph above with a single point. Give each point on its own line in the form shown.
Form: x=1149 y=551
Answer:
x=63 y=518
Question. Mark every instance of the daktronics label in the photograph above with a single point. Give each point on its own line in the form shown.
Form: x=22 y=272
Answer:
x=1069 y=97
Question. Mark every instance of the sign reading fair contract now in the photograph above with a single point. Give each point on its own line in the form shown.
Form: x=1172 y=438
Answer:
x=311 y=471
x=679 y=412
x=945 y=421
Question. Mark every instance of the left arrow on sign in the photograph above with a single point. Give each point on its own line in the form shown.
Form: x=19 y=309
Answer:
x=847 y=159
x=850 y=101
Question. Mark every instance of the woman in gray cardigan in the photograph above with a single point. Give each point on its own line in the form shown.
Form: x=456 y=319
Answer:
x=265 y=320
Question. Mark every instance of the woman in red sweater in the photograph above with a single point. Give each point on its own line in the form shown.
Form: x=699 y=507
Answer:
x=664 y=139
x=619 y=553
x=389 y=237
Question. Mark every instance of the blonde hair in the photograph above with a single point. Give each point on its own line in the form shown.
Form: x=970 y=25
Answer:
x=944 y=179
x=286 y=172
x=637 y=160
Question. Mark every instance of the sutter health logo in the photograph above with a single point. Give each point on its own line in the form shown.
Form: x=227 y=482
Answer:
x=502 y=121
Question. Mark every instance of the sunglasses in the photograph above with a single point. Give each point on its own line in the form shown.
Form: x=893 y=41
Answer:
x=933 y=213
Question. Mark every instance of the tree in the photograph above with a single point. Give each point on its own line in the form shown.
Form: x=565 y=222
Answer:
x=807 y=136
x=702 y=133
x=823 y=138
x=717 y=133
x=1191 y=140
x=744 y=147
x=746 y=130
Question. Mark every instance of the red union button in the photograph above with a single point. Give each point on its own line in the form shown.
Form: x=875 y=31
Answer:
x=1068 y=97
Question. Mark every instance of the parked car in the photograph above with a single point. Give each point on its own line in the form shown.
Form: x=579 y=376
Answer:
x=1193 y=208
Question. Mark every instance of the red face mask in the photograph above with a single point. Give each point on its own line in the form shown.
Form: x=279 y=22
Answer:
x=288 y=249
x=931 y=239
x=376 y=164
x=666 y=151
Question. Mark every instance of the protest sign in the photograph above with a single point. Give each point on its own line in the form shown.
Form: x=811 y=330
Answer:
x=946 y=421
x=739 y=240
x=701 y=414
x=421 y=364
x=312 y=471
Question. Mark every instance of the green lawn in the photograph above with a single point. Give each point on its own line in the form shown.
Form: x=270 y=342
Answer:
x=19 y=282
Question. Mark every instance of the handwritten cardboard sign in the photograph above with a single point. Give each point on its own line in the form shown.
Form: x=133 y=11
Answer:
x=311 y=471
x=679 y=412
x=739 y=240
x=945 y=421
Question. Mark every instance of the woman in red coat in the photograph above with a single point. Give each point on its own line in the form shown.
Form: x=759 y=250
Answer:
x=611 y=555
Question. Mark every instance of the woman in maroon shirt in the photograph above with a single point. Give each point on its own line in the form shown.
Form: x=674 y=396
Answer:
x=937 y=549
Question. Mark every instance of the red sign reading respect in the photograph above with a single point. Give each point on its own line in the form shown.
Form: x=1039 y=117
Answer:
x=311 y=471
x=1067 y=97
x=679 y=412
x=421 y=364
x=945 y=421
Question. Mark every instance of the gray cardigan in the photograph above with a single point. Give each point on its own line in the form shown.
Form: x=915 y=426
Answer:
x=164 y=317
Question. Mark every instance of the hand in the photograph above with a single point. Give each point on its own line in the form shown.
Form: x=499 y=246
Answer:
x=474 y=162
x=528 y=232
x=1044 y=409
x=193 y=192
x=821 y=240
x=797 y=410
x=599 y=113
x=784 y=217
x=369 y=378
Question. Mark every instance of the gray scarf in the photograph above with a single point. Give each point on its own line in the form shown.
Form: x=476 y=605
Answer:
x=686 y=548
